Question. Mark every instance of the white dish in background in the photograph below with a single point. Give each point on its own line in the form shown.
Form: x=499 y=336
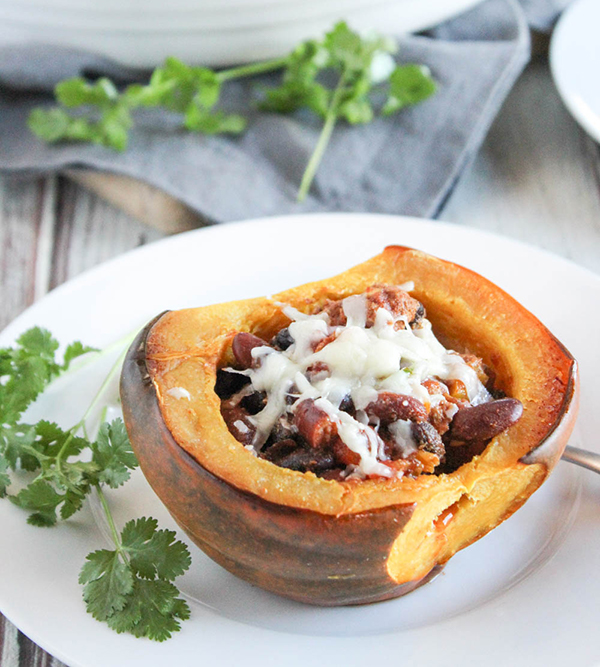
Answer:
x=575 y=63
x=527 y=594
x=204 y=34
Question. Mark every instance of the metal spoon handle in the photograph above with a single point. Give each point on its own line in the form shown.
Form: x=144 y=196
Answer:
x=583 y=458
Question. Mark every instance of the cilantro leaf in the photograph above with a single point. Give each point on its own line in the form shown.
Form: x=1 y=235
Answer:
x=153 y=610
x=107 y=582
x=113 y=455
x=75 y=350
x=39 y=342
x=409 y=84
x=357 y=111
x=154 y=553
x=4 y=477
x=50 y=438
x=17 y=440
x=54 y=125
x=26 y=370
x=77 y=91
x=41 y=499
x=296 y=94
x=199 y=119
x=130 y=587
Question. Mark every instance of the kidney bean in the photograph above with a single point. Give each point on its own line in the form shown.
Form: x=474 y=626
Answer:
x=313 y=424
x=482 y=422
x=390 y=407
x=344 y=455
x=242 y=347
x=238 y=422
x=428 y=439
x=229 y=383
x=393 y=450
x=288 y=454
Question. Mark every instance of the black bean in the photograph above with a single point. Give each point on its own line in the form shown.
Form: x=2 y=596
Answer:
x=282 y=430
x=229 y=383
x=419 y=315
x=347 y=405
x=254 y=403
x=288 y=454
x=282 y=340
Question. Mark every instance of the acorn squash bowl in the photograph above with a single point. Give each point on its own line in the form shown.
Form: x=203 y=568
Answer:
x=324 y=541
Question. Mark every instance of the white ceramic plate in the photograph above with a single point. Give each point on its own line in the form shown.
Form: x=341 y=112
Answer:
x=575 y=63
x=205 y=36
x=527 y=594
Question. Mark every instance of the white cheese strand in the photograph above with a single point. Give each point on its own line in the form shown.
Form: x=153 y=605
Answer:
x=361 y=362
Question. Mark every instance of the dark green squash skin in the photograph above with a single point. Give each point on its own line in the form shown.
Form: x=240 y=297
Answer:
x=300 y=554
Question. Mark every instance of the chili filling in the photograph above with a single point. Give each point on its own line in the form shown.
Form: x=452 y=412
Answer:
x=361 y=388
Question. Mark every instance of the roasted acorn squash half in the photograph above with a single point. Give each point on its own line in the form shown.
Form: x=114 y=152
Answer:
x=342 y=542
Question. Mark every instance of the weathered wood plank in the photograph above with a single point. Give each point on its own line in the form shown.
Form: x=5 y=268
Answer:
x=139 y=200
x=24 y=208
x=89 y=231
x=51 y=230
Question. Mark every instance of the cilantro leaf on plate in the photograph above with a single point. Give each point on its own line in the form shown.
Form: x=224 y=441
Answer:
x=4 y=477
x=113 y=455
x=152 y=552
x=107 y=581
x=130 y=588
x=41 y=499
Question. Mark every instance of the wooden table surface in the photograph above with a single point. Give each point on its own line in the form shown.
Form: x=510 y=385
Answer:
x=537 y=179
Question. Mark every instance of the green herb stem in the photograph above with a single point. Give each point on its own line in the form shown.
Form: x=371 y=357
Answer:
x=317 y=155
x=252 y=69
x=81 y=424
x=111 y=524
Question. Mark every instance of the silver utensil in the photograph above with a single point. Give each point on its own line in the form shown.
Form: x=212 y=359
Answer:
x=582 y=458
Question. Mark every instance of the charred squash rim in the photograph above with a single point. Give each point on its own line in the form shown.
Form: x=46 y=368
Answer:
x=185 y=348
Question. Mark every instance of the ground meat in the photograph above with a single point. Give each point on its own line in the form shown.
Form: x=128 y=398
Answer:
x=393 y=299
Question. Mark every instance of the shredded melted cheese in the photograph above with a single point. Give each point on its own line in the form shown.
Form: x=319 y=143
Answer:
x=361 y=362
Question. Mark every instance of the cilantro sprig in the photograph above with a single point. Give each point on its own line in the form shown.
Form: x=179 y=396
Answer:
x=131 y=586
x=342 y=76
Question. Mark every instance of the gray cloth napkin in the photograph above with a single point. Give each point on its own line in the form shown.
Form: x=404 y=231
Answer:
x=407 y=164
